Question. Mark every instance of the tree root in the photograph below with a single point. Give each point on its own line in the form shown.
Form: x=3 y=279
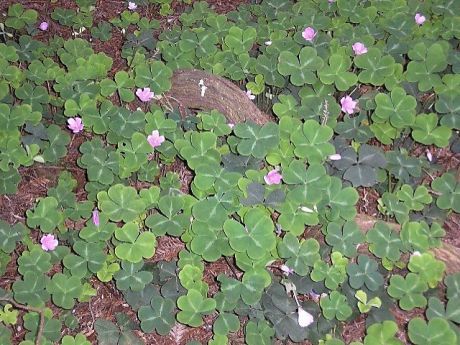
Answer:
x=223 y=95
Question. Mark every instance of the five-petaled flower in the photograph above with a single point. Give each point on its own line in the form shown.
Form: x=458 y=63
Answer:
x=419 y=19
x=96 y=217
x=145 y=95
x=250 y=95
x=359 y=48
x=305 y=318
x=75 y=124
x=348 y=104
x=43 y=26
x=155 y=139
x=309 y=34
x=48 y=242
x=132 y=6
x=273 y=177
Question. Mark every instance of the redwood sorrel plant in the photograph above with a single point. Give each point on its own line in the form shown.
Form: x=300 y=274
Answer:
x=362 y=94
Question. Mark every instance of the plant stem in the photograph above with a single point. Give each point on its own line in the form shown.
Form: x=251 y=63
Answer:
x=40 y=312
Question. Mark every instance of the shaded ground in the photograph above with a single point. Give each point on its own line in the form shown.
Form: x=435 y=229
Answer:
x=36 y=181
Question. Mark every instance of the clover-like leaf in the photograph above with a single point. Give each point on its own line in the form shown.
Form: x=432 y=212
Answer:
x=449 y=190
x=157 y=316
x=257 y=141
x=90 y=257
x=333 y=275
x=409 y=290
x=302 y=68
x=300 y=255
x=336 y=72
x=18 y=17
x=365 y=272
x=437 y=332
x=101 y=163
x=344 y=238
x=121 y=203
x=382 y=334
x=259 y=333
x=10 y=235
x=415 y=200
x=64 y=290
x=193 y=306
x=375 y=67
x=79 y=339
x=426 y=63
x=335 y=306
x=154 y=75
x=131 y=276
x=427 y=131
x=32 y=289
x=449 y=312
x=255 y=237
x=135 y=246
x=430 y=269
x=240 y=40
x=384 y=242
x=402 y=166
x=311 y=141
x=45 y=215
x=398 y=108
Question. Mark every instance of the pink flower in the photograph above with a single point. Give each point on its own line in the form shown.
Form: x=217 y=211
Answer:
x=250 y=95
x=43 y=26
x=132 y=6
x=335 y=157
x=96 y=217
x=359 y=48
x=309 y=34
x=48 y=242
x=145 y=95
x=348 y=104
x=286 y=270
x=273 y=177
x=155 y=139
x=419 y=19
x=75 y=124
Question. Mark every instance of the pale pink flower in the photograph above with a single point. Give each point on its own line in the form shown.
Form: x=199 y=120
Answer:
x=331 y=1
x=43 y=26
x=155 y=139
x=231 y=125
x=305 y=318
x=309 y=34
x=335 y=157
x=359 y=48
x=348 y=104
x=419 y=19
x=250 y=95
x=429 y=155
x=48 y=242
x=145 y=95
x=132 y=6
x=75 y=124
x=96 y=217
x=286 y=270
x=273 y=177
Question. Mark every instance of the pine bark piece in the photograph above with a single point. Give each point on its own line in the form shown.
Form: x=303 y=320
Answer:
x=220 y=94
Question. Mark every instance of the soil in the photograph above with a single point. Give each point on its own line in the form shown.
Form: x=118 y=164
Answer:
x=36 y=181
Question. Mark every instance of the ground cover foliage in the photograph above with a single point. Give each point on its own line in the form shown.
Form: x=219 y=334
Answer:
x=353 y=87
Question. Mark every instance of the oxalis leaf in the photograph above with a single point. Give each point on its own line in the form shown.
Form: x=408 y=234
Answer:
x=193 y=306
x=255 y=237
x=257 y=141
x=335 y=306
x=158 y=316
x=436 y=332
x=449 y=189
x=135 y=245
x=311 y=141
x=300 y=255
x=121 y=203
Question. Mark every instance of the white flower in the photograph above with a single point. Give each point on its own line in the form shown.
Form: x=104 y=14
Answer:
x=306 y=209
x=268 y=43
x=305 y=318
x=286 y=269
x=132 y=6
x=429 y=155
x=335 y=157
